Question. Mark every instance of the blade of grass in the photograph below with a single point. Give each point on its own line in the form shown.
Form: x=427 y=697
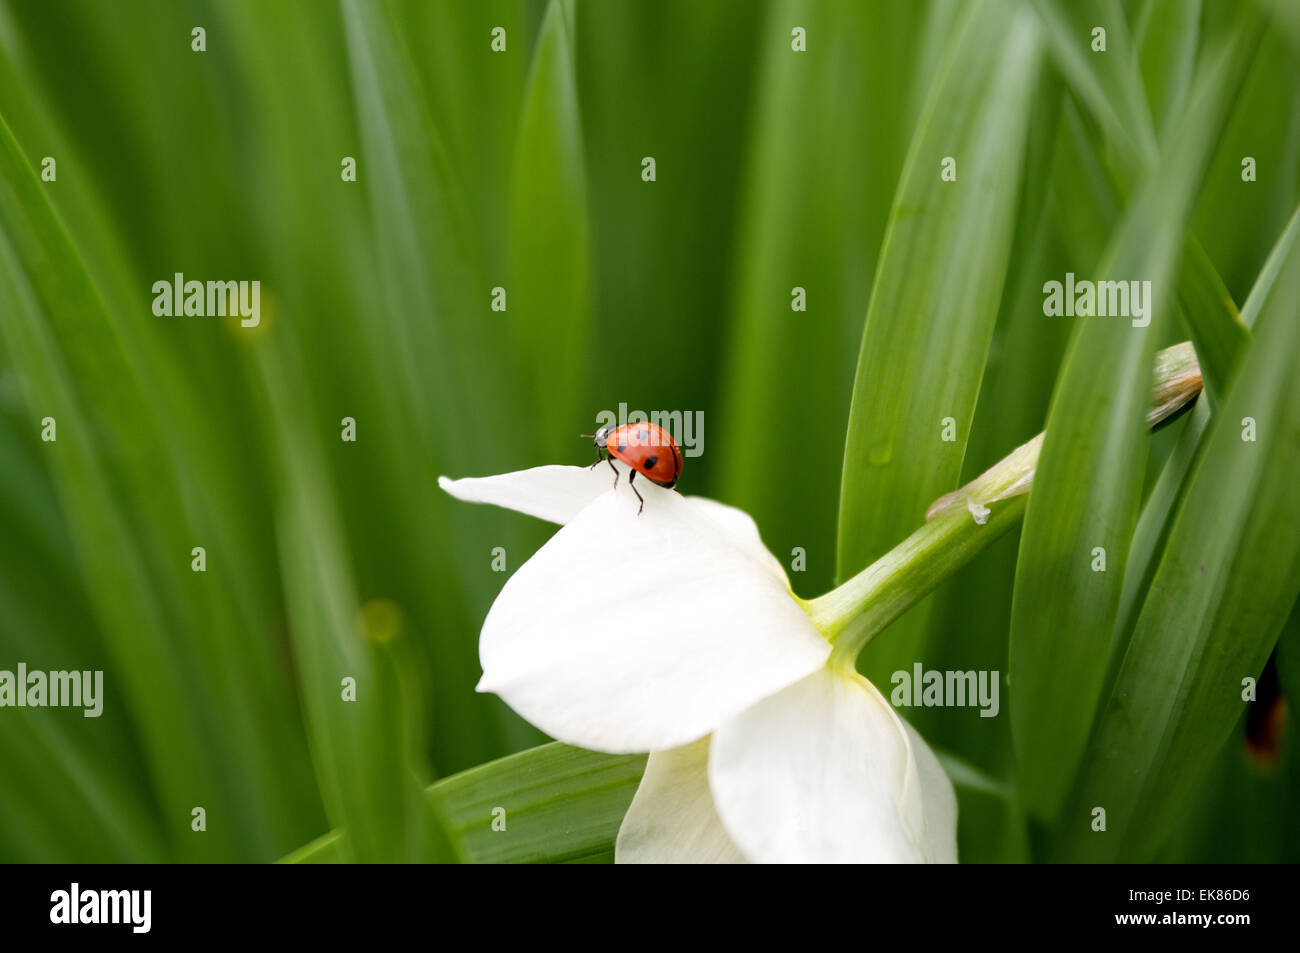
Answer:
x=1157 y=513
x=967 y=624
x=560 y=804
x=356 y=741
x=1212 y=316
x=241 y=695
x=1166 y=36
x=1081 y=516
x=1226 y=583
x=1288 y=657
x=1110 y=85
x=455 y=369
x=550 y=294
x=935 y=297
x=549 y=804
x=830 y=127
x=106 y=465
x=1239 y=220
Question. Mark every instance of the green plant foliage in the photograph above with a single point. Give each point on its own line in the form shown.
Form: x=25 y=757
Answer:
x=241 y=527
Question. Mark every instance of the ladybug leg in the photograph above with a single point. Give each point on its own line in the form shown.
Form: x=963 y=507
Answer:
x=630 y=477
x=600 y=458
x=610 y=461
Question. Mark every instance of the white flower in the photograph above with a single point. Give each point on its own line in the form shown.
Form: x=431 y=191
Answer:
x=675 y=632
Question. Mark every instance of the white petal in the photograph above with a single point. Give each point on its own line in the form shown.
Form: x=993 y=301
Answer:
x=826 y=771
x=555 y=493
x=938 y=800
x=672 y=819
x=631 y=632
x=742 y=529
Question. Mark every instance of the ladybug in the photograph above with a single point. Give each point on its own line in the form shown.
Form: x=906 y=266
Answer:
x=646 y=448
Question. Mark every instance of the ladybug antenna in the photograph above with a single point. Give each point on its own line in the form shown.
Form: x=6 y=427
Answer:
x=587 y=435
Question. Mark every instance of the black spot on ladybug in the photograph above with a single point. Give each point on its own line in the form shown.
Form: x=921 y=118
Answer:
x=650 y=462
x=622 y=448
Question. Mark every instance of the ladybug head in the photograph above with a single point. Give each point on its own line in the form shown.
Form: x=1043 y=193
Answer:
x=601 y=437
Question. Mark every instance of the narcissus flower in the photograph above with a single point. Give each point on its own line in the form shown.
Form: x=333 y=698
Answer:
x=675 y=632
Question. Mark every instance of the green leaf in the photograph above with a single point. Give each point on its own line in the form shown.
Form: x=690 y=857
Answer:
x=1288 y=658
x=426 y=370
x=1157 y=513
x=935 y=298
x=967 y=776
x=1226 y=583
x=1111 y=86
x=1217 y=329
x=1212 y=316
x=1084 y=507
x=1166 y=37
x=811 y=217
x=549 y=303
x=1109 y=83
x=560 y=803
x=776 y=168
x=551 y=804
x=415 y=195
x=351 y=695
x=128 y=521
x=1238 y=221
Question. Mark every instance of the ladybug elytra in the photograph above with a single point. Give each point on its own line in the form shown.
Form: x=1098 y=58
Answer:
x=646 y=448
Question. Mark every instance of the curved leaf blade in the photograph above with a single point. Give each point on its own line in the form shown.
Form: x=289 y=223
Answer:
x=935 y=298
x=1084 y=507
x=550 y=293
x=1225 y=585
x=550 y=804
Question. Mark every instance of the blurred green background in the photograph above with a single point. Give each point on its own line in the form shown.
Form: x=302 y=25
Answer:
x=476 y=169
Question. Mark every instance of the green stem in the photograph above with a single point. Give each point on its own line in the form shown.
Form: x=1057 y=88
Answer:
x=852 y=614
x=964 y=522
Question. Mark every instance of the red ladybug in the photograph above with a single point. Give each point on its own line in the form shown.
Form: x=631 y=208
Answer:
x=645 y=447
